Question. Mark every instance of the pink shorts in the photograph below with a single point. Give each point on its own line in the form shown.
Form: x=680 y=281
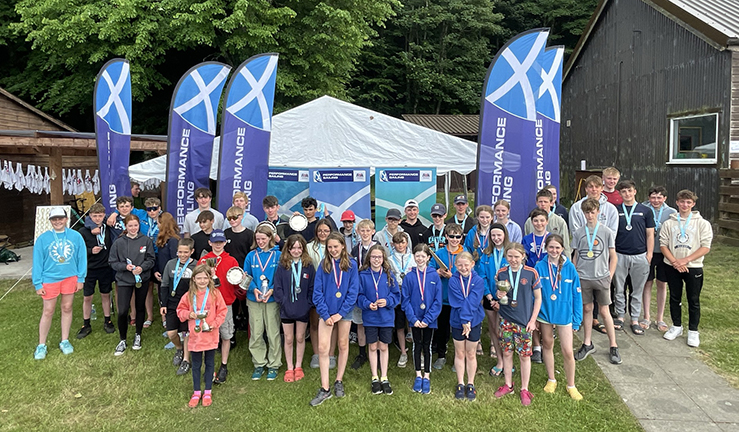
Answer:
x=66 y=286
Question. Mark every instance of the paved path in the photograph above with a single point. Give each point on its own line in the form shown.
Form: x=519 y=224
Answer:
x=666 y=385
x=15 y=270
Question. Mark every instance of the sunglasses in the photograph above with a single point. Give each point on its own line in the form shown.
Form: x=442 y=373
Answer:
x=454 y=236
x=436 y=216
x=233 y=217
x=152 y=208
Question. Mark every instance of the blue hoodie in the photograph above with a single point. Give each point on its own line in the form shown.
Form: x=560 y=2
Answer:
x=566 y=308
x=324 y=291
x=57 y=256
x=488 y=270
x=388 y=290
x=469 y=245
x=466 y=309
x=252 y=267
x=411 y=300
x=449 y=259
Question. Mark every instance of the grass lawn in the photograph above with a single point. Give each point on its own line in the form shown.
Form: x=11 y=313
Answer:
x=94 y=390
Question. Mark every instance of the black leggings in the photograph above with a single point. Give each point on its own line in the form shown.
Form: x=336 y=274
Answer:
x=210 y=365
x=124 y=304
x=693 y=285
x=422 y=345
x=441 y=335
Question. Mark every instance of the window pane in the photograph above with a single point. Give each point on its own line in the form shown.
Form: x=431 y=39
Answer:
x=695 y=138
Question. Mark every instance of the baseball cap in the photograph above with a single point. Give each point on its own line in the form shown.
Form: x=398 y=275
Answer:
x=348 y=215
x=217 y=236
x=393 y=213
x=438 y=209
x=57 y=212
x=460 y=199
x=410 y=203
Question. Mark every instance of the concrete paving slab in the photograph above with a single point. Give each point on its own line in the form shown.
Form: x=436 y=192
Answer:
x=729 y=427
x=720 y=405
x=635 y=370
x=691 y=373
x=22 y=268
x=678 y=426
x=650 y=402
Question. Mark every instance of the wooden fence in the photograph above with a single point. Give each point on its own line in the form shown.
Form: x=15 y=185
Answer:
x=728 y=206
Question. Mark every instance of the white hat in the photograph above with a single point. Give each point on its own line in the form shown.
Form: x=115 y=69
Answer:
x=57 y=212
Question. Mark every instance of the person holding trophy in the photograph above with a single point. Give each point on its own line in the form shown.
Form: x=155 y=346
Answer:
x=204 y=310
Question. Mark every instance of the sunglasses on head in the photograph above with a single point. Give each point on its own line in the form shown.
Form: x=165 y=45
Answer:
x=454 y=236
x=152 y=208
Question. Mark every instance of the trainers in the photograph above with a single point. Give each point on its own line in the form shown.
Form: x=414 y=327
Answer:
x=471 y=392
x=550 y=387
x=177 y=359
x=320 y=397
x=314 y=364
x=439 y=363
x=137 y=342
x=222 y=374
x=584 y=352
x=386 y=387
x=353 y=337
x=673 y=333
x=257 y=374
x=418 y=385
x=332 y=362
x=66 y=347
x=459 y=393
x=403 y=360
x=120 y=348
x=454 y=368
x=526 y=397
x=40 y=352
x=359 y=361
x=339 y=389
x=271 y=374
x=694 y=339
x=615 y=356
x=184 y=368
x=409 y=337
x=503 y=390
x=574 y=394
x=84 y=332
x=536 y=357
x=426 y=386
x=109 y=327
x=376 y=387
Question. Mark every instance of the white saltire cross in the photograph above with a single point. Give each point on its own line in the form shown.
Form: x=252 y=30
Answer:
x=115 y=98
x=204 y=96
x=257 y=92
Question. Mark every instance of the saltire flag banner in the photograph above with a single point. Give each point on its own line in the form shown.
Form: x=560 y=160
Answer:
x=112 y=103
x=394 y=186
x=342 y=189
x=290 y=186
x=506 y=155
x=548 y=107
x=245 y=134
x=192 y=128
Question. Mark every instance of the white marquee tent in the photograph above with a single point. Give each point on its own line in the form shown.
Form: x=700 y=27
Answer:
x=329 y=133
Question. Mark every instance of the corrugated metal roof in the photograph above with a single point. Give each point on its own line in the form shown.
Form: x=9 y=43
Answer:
x=447 y=123
x=722 y=15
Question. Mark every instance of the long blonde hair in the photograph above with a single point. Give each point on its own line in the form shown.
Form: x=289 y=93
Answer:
x=344 y=261
x=201 y=268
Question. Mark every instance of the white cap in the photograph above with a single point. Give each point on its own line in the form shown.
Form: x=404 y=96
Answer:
x=57 y=212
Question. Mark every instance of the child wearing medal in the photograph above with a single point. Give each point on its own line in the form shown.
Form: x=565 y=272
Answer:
x=534 y=242
x=422 y=303
x=317 y=251
x=378 y=295
x=264 y=312
x=175 y=284
x=334 y=296
x=466 y=289
x=293 y=292
x=491 y=261
x=520 y=302
x=502 y=209
x=204 y=309
x=401 y=261
x=477 y=239
x=366 y=229
x=561 y=306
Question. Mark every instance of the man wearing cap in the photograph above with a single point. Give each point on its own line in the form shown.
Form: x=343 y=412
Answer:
x=392 y=226
x=411 y=225
x=59 y=267
x=460 y=216
x=222 y=262
x=434 y=236
x=351 y=238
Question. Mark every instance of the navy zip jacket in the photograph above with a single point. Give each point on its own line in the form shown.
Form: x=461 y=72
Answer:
x=294 y=308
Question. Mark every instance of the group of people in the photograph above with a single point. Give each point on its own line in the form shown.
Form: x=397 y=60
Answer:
x=404 y=282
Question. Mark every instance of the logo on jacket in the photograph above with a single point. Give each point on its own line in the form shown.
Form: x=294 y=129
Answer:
x=524 y=281
x=142 y=249
x=61 y=252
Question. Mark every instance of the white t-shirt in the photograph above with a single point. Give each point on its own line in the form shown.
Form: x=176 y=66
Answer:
x=191 y=224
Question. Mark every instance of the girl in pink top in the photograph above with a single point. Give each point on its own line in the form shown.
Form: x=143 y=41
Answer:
x=204 y=310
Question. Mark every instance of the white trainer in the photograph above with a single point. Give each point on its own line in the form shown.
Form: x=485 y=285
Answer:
x=694 y=339
x=673 y=332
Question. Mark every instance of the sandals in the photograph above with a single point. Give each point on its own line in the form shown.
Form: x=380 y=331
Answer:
x=662 y=326
x=194 y=400
x=645 y=324
x=600 y=328
x=207 y=400
x=618 y=324
x=637 y=330
x=492 y=352
x=479 y=349
x=147 y=323
x=495 y=371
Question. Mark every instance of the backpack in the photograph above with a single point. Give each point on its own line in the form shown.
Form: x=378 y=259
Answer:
x=7 y=256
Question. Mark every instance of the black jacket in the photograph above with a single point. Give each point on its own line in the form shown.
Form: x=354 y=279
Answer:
x=139 y=250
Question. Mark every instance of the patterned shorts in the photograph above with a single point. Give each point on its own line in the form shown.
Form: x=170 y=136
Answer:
x=514 y=335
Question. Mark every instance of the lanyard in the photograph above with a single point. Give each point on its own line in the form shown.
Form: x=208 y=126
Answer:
x=539 y=248
x=437 y=238
x=202 y=306
x=338 y=275
x=483 y=240
x=64 y=239
x=553 y=277
x=498 y=257
x=388 y=240
x=658 y=216
x=465 y=293
x=515 y=283
x=101 y=236
x=404 y=266
x=297 y=270
x=421 y=284
x=452 y=259
x=628 y=215
x=178 y=274
x=456 y=221
x=683 y=227
x=153 y=227
x=376 y=282
x=261 y=267
x=591 y=240
x=136 y=277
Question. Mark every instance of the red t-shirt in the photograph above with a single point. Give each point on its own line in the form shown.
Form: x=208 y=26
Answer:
x=225 y=262
x=614 y=197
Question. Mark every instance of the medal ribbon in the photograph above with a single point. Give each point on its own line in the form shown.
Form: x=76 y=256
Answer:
x=466 y=292
x=515 y=283
x=153 y=227
x=498 y=258
x=136 y=277
x=338 y=276
x=539 y=248
x=436 y=238
x=178 y=274
x=403 y=267
x=684 y=226
x=376 y=282
x=458 y=222
x=297 y=270
x=202 y=307
x=591 y=241
x=553 y=277
x=261 y=267
x=658 y=216
x=101 y=236
x=628 y=215
x=421 y=284
x=482 y=239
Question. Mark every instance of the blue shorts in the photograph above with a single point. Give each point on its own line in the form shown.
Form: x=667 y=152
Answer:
x=474 y=335
x=383 y=334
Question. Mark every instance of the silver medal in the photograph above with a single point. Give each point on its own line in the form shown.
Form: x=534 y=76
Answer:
x=423 y=306
x=628 y=227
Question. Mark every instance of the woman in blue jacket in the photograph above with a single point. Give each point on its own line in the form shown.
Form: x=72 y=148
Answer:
x=561 y=305
x=378 y=295
x=334 y=296
x=466 y=289
x=422 y=302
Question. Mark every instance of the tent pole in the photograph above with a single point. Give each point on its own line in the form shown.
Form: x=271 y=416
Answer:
x=447 y=186
x=464 y=184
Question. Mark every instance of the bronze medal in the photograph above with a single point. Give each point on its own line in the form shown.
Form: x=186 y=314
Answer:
x=197 y=329
x=61 y=260
x=138 y=284
x=514 y=303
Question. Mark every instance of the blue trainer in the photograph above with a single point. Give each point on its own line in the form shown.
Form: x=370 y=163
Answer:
x=40 y=353
x=417 y=384
x=66 y=347
x=258 y=372
x=271 y=374
x=426 y=386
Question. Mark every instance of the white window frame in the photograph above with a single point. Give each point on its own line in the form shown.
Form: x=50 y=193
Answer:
x=692 y=161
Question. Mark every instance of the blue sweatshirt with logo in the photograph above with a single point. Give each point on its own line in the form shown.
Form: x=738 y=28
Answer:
x=386 y=289
x=57 y=256
x=325 y=289
x=466 y=309
x=411 y=298
x=566 y=307
x=270 y=259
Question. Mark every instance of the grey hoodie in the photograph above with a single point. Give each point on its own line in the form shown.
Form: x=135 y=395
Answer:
x=139 y=250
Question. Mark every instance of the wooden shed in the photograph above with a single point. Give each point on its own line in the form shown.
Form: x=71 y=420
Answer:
x=652 y=88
